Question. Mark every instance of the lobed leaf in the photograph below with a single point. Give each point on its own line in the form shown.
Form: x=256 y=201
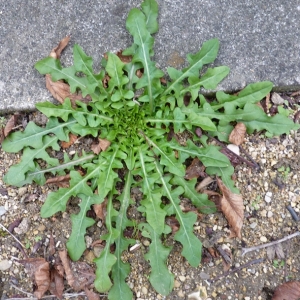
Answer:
x=120 y=270
x=136 y=25
x=17 y=174
x=160 y=277
x=106 y=259
x=207 y=54
x=33 y=135
x=191 y=245
x=80 y=222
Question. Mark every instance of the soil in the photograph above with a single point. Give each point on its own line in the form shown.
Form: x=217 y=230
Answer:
x=266 y=193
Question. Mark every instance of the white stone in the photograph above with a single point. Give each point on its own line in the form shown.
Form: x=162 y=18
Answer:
x=234 y=148
x=263 y=239
x=5 y=265
x=270 y=214
x=268 y=197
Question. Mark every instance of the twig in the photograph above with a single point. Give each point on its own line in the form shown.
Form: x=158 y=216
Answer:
x=246 y=250
x=251 y=163
x=256 y=165
x=252 y=262
x=4 y=228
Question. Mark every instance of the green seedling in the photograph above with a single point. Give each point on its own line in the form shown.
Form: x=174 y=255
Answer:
x=278 y=263
x=285 y=171
x=138 y=115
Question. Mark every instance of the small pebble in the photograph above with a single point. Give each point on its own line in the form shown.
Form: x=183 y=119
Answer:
x=180 y=294
x=177 y=284
x=146 y=243
x=270 y=214
x=22 y=191
x=263 y=239
x=268 y=197
x=5 y=265
x=2 y=210
x=144 y=290
x=253 y=225
x=182 y=278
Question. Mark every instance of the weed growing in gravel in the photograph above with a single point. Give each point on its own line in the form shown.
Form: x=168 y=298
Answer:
x=133 y=108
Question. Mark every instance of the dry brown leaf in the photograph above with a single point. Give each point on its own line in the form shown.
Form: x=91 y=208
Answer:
x=38 y=269
x=69 y=274
x=287 y=291
x=51 y=248
x=237 y=135
x=173 y=223
x=57 y=284
x=205 y=182
x=195 y=169
x=91 y=295
x=60 y=181
x=1 y=135
x=61 y=90
x=72 y=140
x=100 y=210
x=233 y=209
x=11 y=123
x=124 y=58
x=56 y=52
x=101 y=146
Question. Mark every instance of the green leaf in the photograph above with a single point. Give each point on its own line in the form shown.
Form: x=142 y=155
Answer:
x=17 y=173
x=84 y=64
x=225 y=174
x=191 y=246
x=136 y=25
x=150 y=9
x=199 y=200
x=106 y=260
x=252 y=93
x=82 y=115
x=57 y=201
x=155 y=215
x=80 y=222
x=206 y=55
x=52 y=66
x=209 y=81
x=160 y=277
x=275 y=125
x=120 y=270
x=210 y=156
x=33 y=135
x=167 y=158
x=111 y=160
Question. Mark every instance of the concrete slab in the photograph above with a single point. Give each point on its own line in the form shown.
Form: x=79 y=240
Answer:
x=260 y=40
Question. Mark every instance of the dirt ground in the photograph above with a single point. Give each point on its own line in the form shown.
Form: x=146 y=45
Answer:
x=266 y=194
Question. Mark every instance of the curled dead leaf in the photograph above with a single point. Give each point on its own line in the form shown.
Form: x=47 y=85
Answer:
x=72 y=140
x=205 y=182
x=287 y=291
x=100 y=210
x=61 y=181
x=101 y=146
x=232 y=207
x=56 y=52
x=124 y=58
x=38 y=269
x=57 y=284
x=61 y=90
x=195 y=169
x=237 y=135
x=11 y=123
